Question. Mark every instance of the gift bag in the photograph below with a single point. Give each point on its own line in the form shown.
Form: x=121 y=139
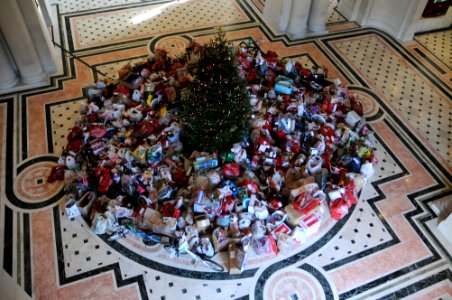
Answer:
x=100 y=224
x=136 y=96
x=339 y=209
x=71 y=208
x=265 y=245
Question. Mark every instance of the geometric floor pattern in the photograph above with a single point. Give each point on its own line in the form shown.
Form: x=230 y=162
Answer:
x=386 y=248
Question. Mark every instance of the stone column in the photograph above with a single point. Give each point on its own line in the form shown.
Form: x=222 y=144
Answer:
x=8 y=76
x=299 y=18
x=20 y=43
x=44 y=8
x=318 y=15
x=39 y=33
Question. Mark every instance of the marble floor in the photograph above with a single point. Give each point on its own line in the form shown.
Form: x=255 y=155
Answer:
x=387 y=248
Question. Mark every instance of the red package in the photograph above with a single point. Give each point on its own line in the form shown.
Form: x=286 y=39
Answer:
x=245 y=63
x=338 y=209
x=145 y=129
x=350 y=194
x=57 y=173
x=169 y=210
x=265 y=245
x=283 y=228
x=104 y=179
x=179 y=176
x=231 y=170
x=97 y=132
x=357 y=106
x=306 y=203
x=251 y=185
x=75 y=134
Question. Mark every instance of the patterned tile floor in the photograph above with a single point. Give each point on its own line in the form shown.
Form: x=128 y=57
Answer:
x=388 y=247
x=438 y=43
x=333 y=15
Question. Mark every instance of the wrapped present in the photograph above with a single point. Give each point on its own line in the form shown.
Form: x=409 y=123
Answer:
x=204 y=163
x=223 y=220
x=205 y=246
x=265 y=245
x=299 y=234
x=284 y=85
x=260 y=211
x=220 y=239
x=258 y=229
x=286 y=123
x=352 y=119
x=231 y=170
x=71 y=208
x=282 y=228
x=295 y=217
x=202 y=223
x=152 y=218
x=307 y=185
x=101 y=224
x=311 y=223
x=169 y=225
x=339 y=208
x=237 y=258
x=85 y=203
x=305 y=203
x=232 y=255
x=285 y=243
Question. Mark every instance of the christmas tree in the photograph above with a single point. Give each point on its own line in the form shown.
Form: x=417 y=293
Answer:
x=215 y=109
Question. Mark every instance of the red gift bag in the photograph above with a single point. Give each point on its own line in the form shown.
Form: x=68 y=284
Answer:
x=339 y=209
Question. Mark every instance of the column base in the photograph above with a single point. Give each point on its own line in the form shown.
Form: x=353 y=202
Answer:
x=21 y=86
x=321 y=32
x=306 y=34
x=318 y=29
x=7 y=85
x=297 y=35
x=35 y=79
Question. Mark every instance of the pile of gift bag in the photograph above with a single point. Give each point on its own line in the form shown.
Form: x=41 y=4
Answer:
x=306 y=158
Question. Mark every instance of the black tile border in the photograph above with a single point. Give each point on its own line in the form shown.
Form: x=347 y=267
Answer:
x=430 y=61
x=419 y=285
x=428 y=50
x=433 y=215
x=8 y=241
x=320 y=278
x=27 y=254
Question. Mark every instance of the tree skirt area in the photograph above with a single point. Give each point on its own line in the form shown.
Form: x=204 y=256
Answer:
x=276 y=191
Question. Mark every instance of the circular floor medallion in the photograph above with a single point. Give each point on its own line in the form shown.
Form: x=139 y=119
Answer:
x=32 y=185
x=294 y=284
x=174 y=45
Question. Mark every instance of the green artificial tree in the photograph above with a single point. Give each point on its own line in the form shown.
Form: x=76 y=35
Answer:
x=215 y=109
